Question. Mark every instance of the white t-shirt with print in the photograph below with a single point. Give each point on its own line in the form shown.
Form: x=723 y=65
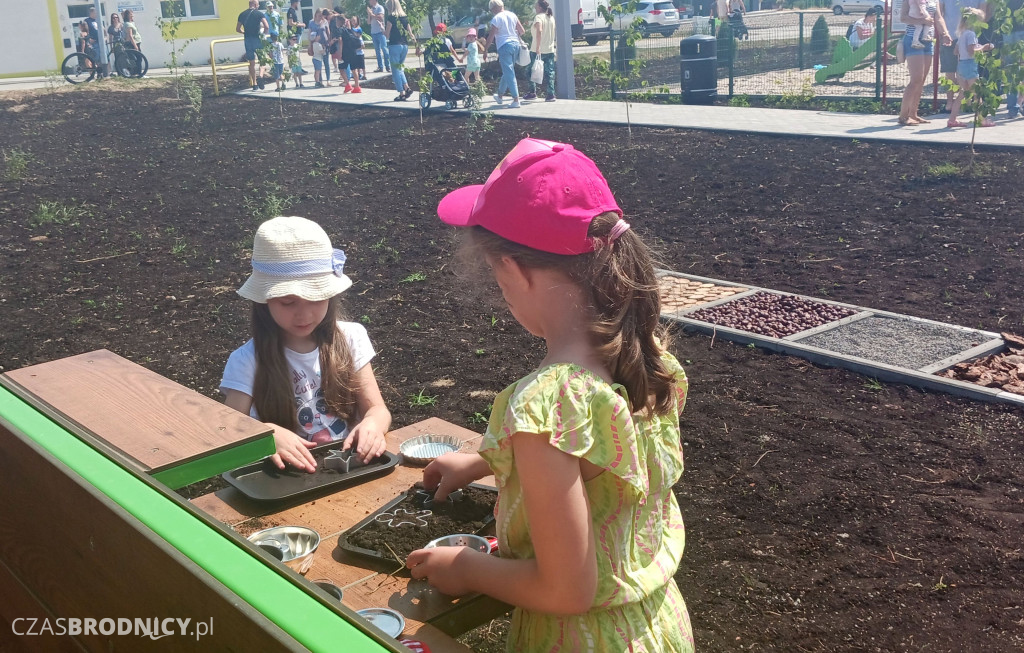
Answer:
x=315 y=423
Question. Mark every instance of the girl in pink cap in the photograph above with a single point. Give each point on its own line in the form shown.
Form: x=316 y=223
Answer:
x=585 y=449
x=305 y=372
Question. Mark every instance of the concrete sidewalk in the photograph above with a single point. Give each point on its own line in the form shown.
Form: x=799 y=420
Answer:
x=1005 y=133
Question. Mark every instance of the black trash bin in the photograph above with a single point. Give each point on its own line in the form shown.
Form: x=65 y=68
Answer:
x=698 y=63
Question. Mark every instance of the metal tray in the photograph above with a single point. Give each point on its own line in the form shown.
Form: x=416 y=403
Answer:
x=262 y=481
x=344 y=545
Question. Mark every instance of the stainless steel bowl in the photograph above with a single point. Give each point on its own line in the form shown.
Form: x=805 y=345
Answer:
x=330 y=588
x=421 y=449
x=472 y=541
x=295 y=544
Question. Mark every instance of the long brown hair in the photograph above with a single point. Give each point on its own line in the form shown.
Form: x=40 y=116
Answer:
x=272 y=392
x=618 y=280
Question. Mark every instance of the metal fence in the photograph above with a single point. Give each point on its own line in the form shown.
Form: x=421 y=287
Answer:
x=768 y=54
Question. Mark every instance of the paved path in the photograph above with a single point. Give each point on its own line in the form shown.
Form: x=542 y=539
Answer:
x=1006 y=133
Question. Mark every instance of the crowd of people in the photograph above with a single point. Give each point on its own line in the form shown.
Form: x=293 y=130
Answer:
x=950 y=23
x=121 y=32
x=336 y=44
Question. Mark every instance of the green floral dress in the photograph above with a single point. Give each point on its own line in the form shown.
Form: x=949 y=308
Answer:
x=637 y=524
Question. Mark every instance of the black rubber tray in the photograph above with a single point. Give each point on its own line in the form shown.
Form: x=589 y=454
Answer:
x=344 y=545
x=262 y=481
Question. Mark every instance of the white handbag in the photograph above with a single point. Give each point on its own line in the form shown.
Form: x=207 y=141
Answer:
x=524 y=54
x=537 y=72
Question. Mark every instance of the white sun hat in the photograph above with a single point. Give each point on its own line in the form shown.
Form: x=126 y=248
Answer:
x=293 y=256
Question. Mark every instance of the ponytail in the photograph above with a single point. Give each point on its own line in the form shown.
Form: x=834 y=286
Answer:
x=624 y=294
x=618 y=280
x=545 y=7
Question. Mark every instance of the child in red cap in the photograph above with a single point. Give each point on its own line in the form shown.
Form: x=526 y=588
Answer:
x=585 y=449
x=441 y=50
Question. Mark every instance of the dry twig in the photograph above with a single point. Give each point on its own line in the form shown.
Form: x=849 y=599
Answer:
x=104 y=258
x=763 y=455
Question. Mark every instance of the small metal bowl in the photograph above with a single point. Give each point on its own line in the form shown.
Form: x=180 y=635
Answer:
x=330 y=588
x=462 y=539
x=294 y=545
x=421 y=449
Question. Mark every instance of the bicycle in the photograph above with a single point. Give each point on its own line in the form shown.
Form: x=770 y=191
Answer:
x=80 y=67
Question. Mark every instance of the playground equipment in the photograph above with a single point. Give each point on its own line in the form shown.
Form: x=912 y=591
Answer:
x=845 y=58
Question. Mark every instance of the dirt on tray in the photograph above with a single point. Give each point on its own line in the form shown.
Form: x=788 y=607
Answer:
x=410 y=525
x=824 y=512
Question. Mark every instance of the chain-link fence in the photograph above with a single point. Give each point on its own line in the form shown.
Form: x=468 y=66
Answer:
x=768 y=54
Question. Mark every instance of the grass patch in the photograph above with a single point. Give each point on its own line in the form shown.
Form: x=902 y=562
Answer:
x=270 y=205
x=57 y=212
x=421 y=398
x=944 y=170
x=15 y=164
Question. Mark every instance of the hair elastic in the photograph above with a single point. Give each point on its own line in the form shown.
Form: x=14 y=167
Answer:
x=618 y=229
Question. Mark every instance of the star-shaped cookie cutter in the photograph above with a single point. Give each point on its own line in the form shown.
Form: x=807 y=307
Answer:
x=401 y=517
x=342 y=461
x=426 y=499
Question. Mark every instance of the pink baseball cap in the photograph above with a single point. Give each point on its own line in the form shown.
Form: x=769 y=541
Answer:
x=542 y=195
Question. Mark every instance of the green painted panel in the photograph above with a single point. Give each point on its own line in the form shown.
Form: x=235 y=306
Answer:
x=273 y=593
x=216 y=463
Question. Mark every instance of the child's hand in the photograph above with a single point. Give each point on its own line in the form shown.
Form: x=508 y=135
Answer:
x=367 y=440
x=440 y=567
x=451 y=472
x=292 y=449
x=928 y=20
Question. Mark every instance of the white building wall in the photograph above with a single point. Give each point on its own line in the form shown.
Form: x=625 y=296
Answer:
x=26 y=37
x=27 y=34
x=197 y=53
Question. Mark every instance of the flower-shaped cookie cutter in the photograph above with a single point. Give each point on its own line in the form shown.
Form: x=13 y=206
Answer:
x=402 y=517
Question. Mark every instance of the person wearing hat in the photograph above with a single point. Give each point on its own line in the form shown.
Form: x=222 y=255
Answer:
x=474 y=53
x=274 y=20
x=304 y=372
x=586 y=448
x=441 y=50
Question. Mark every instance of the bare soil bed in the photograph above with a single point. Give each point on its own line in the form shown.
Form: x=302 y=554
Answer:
x=824 y=512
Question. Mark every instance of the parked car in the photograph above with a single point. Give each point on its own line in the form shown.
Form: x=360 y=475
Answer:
x=457 y=30
x=685 y=9
x=658 y=18
x=840 y=7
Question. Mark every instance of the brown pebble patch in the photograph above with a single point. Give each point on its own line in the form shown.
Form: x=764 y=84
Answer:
x=678 y=293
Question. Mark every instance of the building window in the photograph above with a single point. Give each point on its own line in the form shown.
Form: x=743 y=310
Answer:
x=188 y=9
x=306 y=7
x=78 y=12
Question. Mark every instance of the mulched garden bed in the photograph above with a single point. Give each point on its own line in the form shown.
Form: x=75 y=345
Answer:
x=823 y=512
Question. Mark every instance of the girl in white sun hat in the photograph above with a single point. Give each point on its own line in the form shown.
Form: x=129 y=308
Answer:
x=304 y=371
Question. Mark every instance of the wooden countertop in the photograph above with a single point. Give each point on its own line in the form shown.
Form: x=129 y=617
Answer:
x=430 y=616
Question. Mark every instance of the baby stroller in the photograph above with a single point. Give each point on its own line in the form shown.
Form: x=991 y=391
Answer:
x=739 y=29
x=448 y=85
